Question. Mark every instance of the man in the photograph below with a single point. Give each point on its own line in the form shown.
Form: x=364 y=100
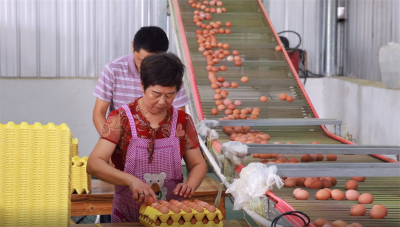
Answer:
x=119 y=83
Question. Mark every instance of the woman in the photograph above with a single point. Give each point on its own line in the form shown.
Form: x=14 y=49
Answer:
x=146 y=140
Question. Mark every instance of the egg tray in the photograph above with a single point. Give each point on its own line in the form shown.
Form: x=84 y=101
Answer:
x=149 y=215
x=81 y=181
x=35 y=174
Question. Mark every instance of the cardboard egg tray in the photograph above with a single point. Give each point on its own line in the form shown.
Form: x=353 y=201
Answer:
x=81 y=181
x=149 y=215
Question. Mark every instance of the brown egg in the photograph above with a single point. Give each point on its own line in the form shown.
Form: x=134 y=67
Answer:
x=326 y=183
x=339 y=223
x=315 y=142
x=289 y=98
x=157 y=207
x=158 y=222
x=244 y=79
x=214 y=111
x=228 y=24
x=221 y=107
x=282 y=96
x=236 y=111
x=199 y=209
x=238 y=63
x=164 y=210
x=355 y=225
x=302 y=195
x=278 y=48
x=217 y=96
x=150 y=201
x=296 y=190
x=216 y=220
x=320 y=157
x=234 y=85
x=181 y=221
x=175 y=209
x=359 y=179
x=352 y=195
x=323 y=194
x=320 y=222
x=293 y=160
x=154 y=204
x=290 y=183
x=332 y=180
x=358 y=210
x=225 y=46
x=300 y=181
x=337 y=194
x=263 y=99
x=377 y=213
x=306 y=158
x=366 y=198
x=265 y=156
x=315 y=184
x=211 y=208
x=163 y=202
x=308 y=181
x=205 y=220
x=193 y=220
x=331 y=157
x=382 y=207
x=351 y=184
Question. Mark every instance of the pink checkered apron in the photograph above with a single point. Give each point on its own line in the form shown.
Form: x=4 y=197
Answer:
x=162 y=174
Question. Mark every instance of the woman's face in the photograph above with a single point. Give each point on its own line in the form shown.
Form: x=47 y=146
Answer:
x=157 y=98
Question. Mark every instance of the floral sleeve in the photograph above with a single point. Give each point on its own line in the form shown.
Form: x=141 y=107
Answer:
x=191 y=139
x=113 y=127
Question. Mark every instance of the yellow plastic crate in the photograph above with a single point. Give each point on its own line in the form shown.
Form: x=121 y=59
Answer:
x=35 y=174
x=80 y=180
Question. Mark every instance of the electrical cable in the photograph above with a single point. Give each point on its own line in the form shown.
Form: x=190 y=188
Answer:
x=290 y=31
x=292 y=213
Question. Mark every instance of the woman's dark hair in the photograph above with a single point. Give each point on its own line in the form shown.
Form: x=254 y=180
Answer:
x=151 y=39
x=164 y=69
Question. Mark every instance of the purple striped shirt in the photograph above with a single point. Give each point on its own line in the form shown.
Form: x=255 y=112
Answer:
x=119 y=83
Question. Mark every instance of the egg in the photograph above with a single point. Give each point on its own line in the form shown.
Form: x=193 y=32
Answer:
x=302 y=195
x=337 y=194
x=327 y=225
x=263 y=99
x=323 y=195
x=199 y=209
x=320 y=222
x=256 y=155
x=296 y=190
x=289 y=98
x=315 y=184
x=351 y=184
x=326 y=183
x=244 y=79
x=228 y=112
x=154 y=204
x=359 y=179
x=237 y=58
x=331 y=157
x=355 y=225
x=339 y=223
x=332 y=180
x=313 y=157
x=211 y=208
x=227 y=102
x=219 y=3
x=221 y=107
x=329 y=190
x=226 y=52
x=193 y=220
x=231 y=106
x=164 y=210
x=366 y=198
x=358 y=210
x=300 y=180
x=265 y=156
x=381 y=207
x=290 y=183
x=150 y=201
x=238 y=103
x=235 y=52
x=157 y=207
x=305 y=158
x=377 y=213
x=158 y=222
x=278 y=48
x=175 y=209
x=229 y=58
x=238 y=63
x=320 y=157
x=352 y=195
x=217 y=96
x=226 y=84
x=181 y=221
x=293 y=160
x=225 y=46
x=163 y=202
x=308 y=181
x=236 y=111
x=283 y=96
x=216 y=220
x=227 y=31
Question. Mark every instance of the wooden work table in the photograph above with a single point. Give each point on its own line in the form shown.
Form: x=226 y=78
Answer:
x=228 y=223
x=99 y=201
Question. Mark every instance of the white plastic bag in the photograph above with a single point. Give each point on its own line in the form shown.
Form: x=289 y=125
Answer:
x=235 y=151
x=204 y=131
x=255 y=180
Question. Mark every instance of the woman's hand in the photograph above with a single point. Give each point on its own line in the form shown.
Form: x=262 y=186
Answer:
x=183 y=190
x=141 y=192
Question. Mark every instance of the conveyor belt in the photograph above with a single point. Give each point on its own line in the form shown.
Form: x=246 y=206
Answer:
x=269 y=75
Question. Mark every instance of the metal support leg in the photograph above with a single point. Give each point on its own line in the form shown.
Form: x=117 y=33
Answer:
x=338 y=130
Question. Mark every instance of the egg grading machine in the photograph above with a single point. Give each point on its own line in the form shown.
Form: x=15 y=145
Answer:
x=270 y=74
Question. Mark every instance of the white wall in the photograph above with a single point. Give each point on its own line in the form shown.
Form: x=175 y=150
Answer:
x=370 y=111
x=59 y=101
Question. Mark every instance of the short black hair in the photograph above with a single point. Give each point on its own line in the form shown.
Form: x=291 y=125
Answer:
x=151 y=39
x=164 y=69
